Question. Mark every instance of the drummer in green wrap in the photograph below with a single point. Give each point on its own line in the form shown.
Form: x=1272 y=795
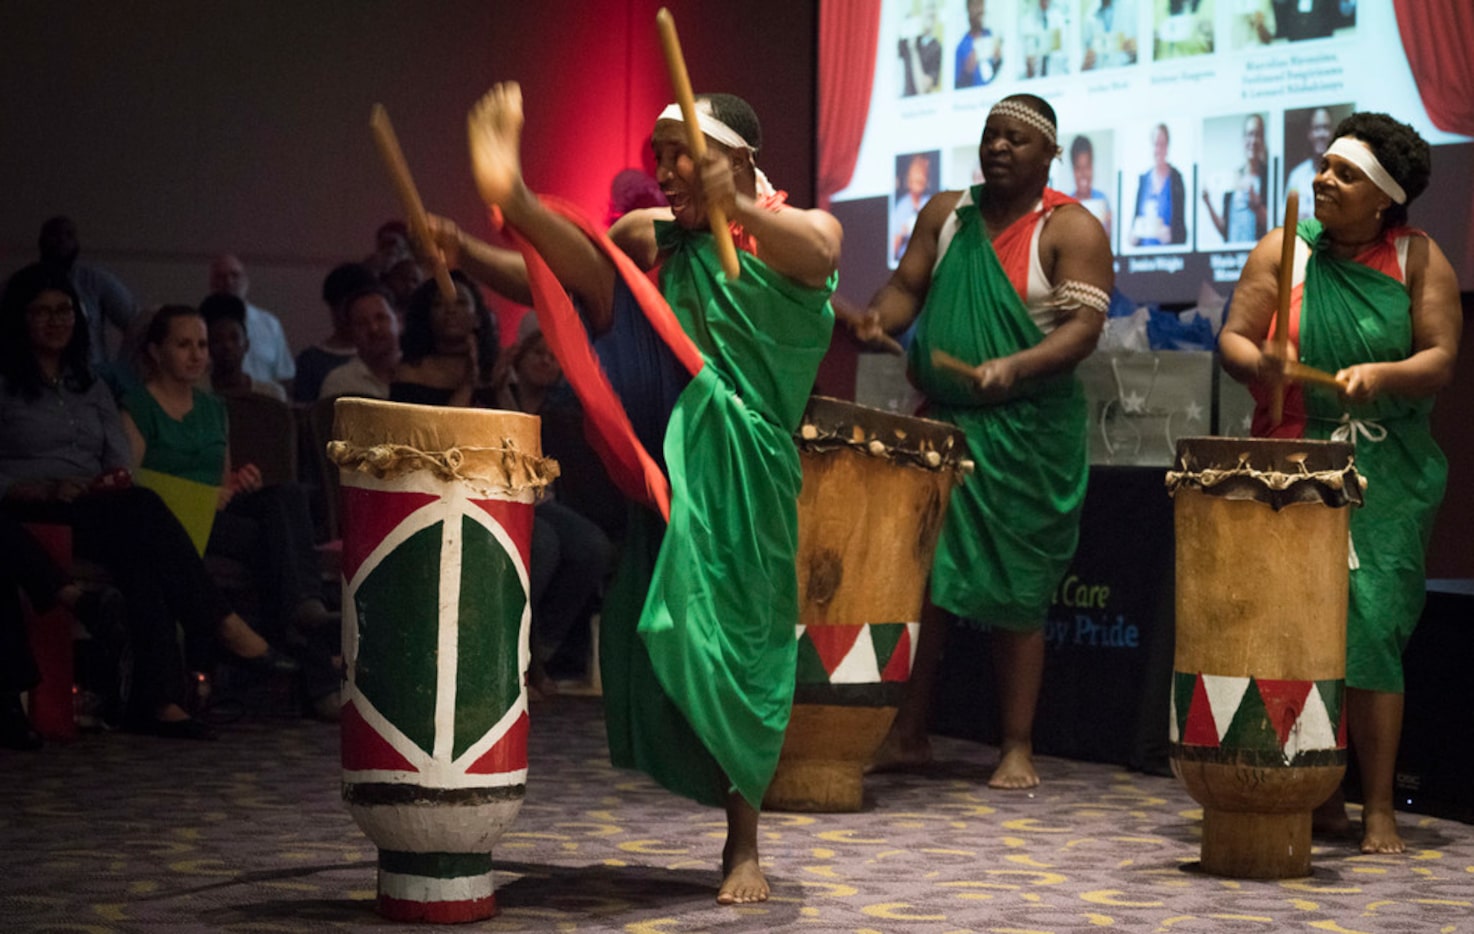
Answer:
x=1375 y=302
x=1013 y=279
x=692 y=394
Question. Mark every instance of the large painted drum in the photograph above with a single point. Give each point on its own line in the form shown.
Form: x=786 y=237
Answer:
x=875 y=491
x=437 y=527
x=1258 y=733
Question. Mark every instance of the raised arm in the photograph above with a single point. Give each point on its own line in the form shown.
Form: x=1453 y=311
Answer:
x=499 y=269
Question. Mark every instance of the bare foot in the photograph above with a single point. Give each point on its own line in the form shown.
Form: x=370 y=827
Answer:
x=1015 y=769
x=494 y=127
x=897 y=754
x=1379 y=832
x=744 y=881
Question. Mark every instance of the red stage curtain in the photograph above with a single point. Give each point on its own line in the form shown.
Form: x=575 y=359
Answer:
x=849 y=31
x=1438 y=36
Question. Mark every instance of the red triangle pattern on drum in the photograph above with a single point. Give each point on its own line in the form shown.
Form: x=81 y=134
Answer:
x=508 y=754
x=373 y=514
x=1200 y=730
x=1283 y=701
x=833 y=643
x=364 y=748
x=898 y=666
x=516 y=518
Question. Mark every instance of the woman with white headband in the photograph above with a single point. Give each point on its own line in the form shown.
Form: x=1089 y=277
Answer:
x=1376 y=303
x=1012 y=278
x=692 y=391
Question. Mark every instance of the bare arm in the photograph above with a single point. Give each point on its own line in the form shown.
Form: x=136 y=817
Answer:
x=634 y=233
x=899 y=301
x=801 y=244
x=1437 y=323
x=501 y=270
x=1249 y=317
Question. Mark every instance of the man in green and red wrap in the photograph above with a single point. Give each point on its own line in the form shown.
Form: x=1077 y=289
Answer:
x=692 y=391
x=1012 y=279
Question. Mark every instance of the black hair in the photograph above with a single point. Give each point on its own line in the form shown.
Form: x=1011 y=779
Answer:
x=417 y=340
x=1081 y=147
x=347 y=280
x=223 y=306
x=17 y=361
x=1402 y=152
x=739 y=115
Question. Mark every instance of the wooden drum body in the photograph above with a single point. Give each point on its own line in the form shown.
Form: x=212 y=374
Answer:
x=437 y=529
x=1258 y=734
x=874 y=495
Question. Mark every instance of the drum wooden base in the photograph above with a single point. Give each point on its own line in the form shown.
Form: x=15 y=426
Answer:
x=1248 y=845
x=438 y=888
x=825 y=751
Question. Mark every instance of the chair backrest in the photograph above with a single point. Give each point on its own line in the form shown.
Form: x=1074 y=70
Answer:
x=320 y=432
x=263 y=431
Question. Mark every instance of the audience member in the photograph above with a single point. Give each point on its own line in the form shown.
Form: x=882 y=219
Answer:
x=401 y=280
x=225 y=320
x=630 y=190
x=447 y=352
x=268 y=356
x=375 y=330
x=175 y=428
x=391 y=244
x=63 y=459
x=24 y=565
x=316 y=362
x=104 y=298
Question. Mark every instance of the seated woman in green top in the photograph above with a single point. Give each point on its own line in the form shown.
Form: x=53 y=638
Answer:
x=176 y=428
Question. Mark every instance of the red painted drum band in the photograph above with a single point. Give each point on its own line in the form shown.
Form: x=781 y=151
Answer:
x=437 y=508
x=874 y=494
x=1257 y=728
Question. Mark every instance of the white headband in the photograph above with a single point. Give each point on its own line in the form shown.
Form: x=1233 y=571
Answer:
x=1359 y=154
x=720 y=132
x=1027 y=114
x=709 y=124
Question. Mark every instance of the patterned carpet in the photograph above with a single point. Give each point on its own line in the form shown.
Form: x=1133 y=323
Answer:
x=126 y=833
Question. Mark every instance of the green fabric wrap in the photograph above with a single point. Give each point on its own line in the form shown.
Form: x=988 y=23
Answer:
x=1354 y=314
x=1013 y=524
x=701 y=687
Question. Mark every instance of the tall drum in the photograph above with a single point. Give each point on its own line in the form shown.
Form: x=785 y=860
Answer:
x=875 y=491
x=1258 y=734
x=437 y=529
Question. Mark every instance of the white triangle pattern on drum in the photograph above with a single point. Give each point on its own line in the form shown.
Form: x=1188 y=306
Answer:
x=1312 y=728
x=860 y=665
x=1224 y=694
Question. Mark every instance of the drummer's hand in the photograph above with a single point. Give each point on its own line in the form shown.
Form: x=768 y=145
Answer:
x=1272 y=363
x=1361 y=383
x=995 y=379
x=717 y=186
x=448 y=238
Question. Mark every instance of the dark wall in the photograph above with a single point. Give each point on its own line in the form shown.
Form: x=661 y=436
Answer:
x=172 y=130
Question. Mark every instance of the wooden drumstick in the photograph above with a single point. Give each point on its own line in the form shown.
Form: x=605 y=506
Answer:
x=945 y=361
x=1282 y=310
x=419 y=224
x=696 y=140
x=1300 y=373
